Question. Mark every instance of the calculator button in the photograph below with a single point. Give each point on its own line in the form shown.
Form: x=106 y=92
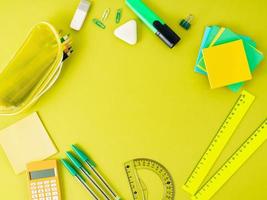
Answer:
x=54 y=189
x=41 y=195
x=53 y=185
x=47 y=186
x=48 y=198
x=34 y=196
x=40 y=191
x=41 y=198
x=48 y=194
x=34 y=191
x=40 y=187
x=54 y=193
x=46 y=182
x=47 y=190
x=33 y=188
x=40 y=183
x=33 y=184
x=55 y=198
x=52 y=181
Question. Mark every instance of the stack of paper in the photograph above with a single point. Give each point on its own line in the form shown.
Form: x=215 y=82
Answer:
x=228 y=59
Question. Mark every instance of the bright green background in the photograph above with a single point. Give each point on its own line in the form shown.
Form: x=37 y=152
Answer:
x=121 y=102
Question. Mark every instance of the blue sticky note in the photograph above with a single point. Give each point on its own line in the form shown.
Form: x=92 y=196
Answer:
x=205 y=37
x=209 y=34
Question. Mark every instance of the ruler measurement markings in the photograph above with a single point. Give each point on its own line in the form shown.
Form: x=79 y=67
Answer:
x=218 y=142
x=233 y=163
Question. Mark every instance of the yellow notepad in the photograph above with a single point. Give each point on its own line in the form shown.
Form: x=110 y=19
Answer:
x=26 y=141
x=226 y=64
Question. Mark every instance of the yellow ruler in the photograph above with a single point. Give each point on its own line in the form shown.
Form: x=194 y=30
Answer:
x=138 y=188
x=218 y=143
x=233 y=163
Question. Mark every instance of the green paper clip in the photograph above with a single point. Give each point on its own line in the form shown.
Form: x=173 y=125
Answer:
x=118 y=15
x=99 y=23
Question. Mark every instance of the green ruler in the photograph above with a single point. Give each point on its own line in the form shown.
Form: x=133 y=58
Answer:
x=138 y=188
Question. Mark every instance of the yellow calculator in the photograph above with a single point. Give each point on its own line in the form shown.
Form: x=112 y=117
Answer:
x=43 y=180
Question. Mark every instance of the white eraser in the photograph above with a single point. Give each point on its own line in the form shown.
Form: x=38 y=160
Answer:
x=80 y=15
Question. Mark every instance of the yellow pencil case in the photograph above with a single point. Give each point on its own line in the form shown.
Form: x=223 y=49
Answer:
x=32 y=71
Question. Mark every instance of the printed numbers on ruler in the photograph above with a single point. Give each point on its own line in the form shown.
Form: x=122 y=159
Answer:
x=223 y=135
x=233 y=163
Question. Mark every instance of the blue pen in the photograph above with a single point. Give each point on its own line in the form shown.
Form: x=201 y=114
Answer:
x=92 y=166
x=79 y=165
x=73 y=172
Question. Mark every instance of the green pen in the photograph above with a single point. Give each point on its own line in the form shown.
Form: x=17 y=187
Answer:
x=92 y=166
x=79 y=165
x=73 y=172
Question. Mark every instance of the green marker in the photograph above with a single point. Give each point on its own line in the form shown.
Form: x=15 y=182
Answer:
x=154 y=22
x=92 y=166
x=73 y=172
x=79 y=165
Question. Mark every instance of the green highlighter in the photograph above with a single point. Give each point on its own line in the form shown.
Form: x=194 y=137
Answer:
x=154 y=22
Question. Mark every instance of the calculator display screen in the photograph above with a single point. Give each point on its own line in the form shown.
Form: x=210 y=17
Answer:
x=42 y=174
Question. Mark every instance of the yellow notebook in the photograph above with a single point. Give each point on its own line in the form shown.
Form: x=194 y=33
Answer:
x=226 y=64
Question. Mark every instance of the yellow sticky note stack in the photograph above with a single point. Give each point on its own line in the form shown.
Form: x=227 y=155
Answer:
x=26 y=141
x=226 y=64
